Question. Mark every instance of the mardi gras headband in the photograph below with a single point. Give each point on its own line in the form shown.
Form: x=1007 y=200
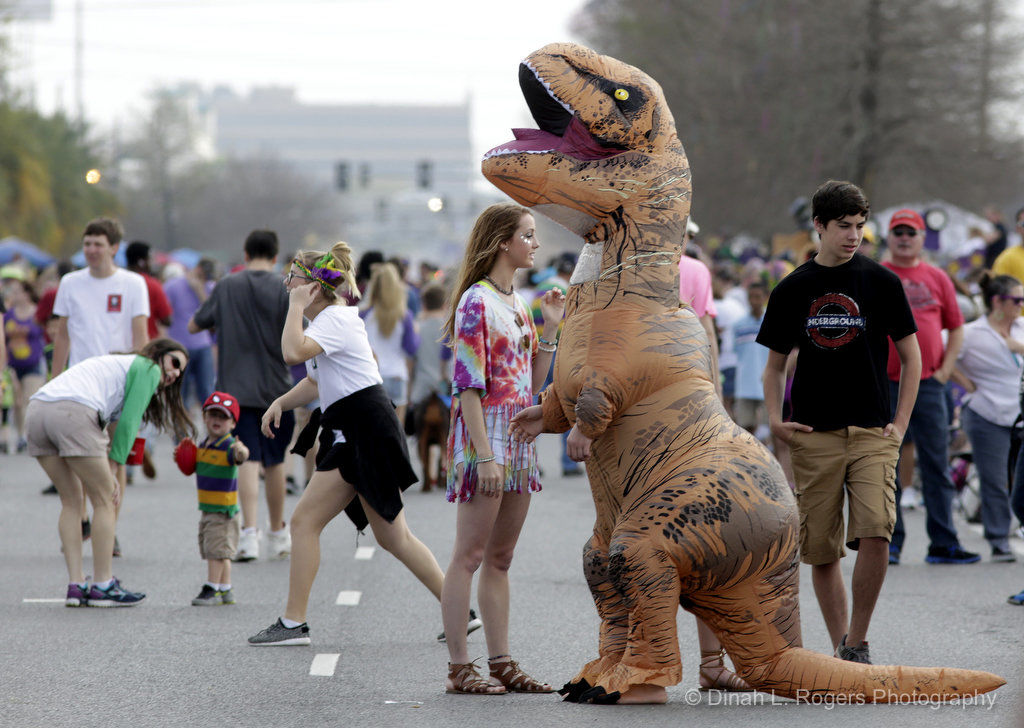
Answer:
x=325 y=271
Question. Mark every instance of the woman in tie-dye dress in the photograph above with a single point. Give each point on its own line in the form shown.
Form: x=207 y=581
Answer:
x=499 y=361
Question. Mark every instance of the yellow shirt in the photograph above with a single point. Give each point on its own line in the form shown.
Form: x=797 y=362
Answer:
x=1010 y=263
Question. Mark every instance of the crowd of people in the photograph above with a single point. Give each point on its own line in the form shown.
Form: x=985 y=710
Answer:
x=340 y=358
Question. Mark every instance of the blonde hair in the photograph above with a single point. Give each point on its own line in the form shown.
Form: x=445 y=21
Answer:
x=342 y=255
x=387 y=296
x=495 y=225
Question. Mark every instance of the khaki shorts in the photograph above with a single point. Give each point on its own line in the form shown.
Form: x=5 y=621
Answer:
x=862 y=459
x=218 y=536
x=64 y=428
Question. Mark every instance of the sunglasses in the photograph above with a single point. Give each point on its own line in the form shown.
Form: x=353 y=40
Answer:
x=291 y=274
x=1017 y=300
x=177 y=363
x=521 y=323
x=905 y=233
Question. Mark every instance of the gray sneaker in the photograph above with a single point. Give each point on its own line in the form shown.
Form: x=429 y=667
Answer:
x=227 y=597
x=853 y=654
x=208 y=597
x=278 y=634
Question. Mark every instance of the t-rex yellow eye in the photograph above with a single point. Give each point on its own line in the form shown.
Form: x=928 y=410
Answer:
x=621 y=94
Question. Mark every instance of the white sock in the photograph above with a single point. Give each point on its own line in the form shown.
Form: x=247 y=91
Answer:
x=103 y=584
x=289 y=623
x=223 y=587
x=213 y=585
x=284 y=529
x=251 y=529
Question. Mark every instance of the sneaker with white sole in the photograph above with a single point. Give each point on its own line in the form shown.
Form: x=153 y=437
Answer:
x=78 y=596
x=475 y=623
x=279 y=543
x=248 y=546
x=278 y=634
x=114 y=595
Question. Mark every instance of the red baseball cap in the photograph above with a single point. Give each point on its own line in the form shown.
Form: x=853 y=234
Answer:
x=224 y=402
x=906 y=217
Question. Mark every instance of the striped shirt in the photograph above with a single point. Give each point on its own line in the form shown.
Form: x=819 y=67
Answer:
x=217 y=476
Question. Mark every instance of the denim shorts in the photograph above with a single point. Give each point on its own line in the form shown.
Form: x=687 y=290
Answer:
x=261 y=448
x=396 y=389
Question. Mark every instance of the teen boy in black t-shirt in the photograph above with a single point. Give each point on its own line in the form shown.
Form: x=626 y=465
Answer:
x=839 y=310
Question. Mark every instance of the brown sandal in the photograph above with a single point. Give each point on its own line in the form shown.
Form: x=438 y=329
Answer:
x=508 y=673
x=463 y=678
x=725 y=679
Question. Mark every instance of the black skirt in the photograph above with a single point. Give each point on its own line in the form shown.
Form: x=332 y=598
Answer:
x=374 y=457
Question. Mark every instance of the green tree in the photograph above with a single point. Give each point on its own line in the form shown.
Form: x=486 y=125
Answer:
x=44 y=197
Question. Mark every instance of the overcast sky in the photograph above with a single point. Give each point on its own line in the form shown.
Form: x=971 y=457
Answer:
x=333 y=51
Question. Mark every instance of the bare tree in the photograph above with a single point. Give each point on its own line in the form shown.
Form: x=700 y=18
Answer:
x=771 y=98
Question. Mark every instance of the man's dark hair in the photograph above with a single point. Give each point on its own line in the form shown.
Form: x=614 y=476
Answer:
x=261 y=244
x=836 y=199
x=137 y=251
x=761 y=285
x=1017 y=217
x=107 y=226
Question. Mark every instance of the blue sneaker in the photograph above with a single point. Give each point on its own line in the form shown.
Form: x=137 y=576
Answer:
x=894 y=556
x=113 y=596
x=951 y=555
x=77 y=595
x=1017 y=598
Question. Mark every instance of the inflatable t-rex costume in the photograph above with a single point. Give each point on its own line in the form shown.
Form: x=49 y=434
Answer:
x=691 y=509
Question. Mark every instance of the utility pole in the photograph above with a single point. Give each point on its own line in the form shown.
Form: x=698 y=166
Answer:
x=79 y=64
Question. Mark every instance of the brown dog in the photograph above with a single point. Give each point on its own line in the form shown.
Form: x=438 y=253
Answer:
x=431 y=420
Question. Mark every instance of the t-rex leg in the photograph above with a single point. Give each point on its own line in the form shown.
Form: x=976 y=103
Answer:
x=648 y=582
x=614 y=614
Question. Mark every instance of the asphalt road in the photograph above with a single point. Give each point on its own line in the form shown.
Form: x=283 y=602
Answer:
x=166 y=663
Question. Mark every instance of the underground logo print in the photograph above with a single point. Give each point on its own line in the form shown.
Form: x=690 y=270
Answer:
x=834 y=321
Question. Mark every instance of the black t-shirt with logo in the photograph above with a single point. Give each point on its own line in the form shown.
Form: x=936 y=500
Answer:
x=841 y=319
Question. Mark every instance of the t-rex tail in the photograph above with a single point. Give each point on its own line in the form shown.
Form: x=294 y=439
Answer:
x=805 y=675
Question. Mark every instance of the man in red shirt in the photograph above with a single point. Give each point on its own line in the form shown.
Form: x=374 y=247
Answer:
x=933 y=302
x=160 y=311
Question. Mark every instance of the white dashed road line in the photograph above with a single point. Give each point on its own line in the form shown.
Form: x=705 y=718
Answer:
x=348 y=598
x=364 y=553
x=42 y=601
x=324 y=664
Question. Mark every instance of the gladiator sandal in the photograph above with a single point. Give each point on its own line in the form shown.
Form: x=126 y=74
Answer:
x=507 y=671
x=463 y=678
x=714 y=675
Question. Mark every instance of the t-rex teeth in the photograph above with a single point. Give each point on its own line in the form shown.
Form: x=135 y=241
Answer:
x=547 y=87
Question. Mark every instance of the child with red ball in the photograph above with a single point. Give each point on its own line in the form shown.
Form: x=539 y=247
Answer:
x=215 y=462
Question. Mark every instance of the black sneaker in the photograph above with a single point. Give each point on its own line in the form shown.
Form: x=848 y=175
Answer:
x=113 y=596
x=951 y=555
x=278 y=634
x=475 y=623
x=208 y=597
x=51 y=489
x=1003 y=555
x=853 y=654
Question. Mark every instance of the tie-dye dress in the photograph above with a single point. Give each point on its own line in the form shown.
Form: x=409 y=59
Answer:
x=495 y=343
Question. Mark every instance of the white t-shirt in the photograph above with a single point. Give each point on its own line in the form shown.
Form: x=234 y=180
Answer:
x=100 y=311
x=995 y=370
x=98 y=384
x=347 y=364
x=391 y=358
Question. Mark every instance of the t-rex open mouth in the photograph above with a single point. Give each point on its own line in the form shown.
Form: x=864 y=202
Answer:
x=561 y=130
